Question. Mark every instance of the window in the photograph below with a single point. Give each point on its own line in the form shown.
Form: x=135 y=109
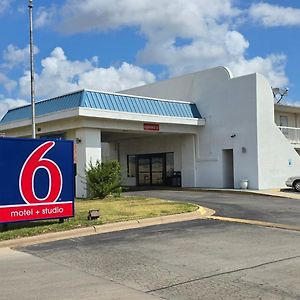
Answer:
x=131 y=170
x=284 y=122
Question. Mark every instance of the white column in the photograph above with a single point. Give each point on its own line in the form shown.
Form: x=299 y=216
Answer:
x=188 y=161
x=88 y=149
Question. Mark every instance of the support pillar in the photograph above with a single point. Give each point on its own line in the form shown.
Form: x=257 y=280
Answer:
x=88 y=149
x=188 y=161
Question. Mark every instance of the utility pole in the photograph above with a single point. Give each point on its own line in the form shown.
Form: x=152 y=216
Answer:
x=32 y=91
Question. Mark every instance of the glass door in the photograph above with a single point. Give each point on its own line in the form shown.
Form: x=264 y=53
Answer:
x=144 y=168
x=157 y=170
x=151 y=169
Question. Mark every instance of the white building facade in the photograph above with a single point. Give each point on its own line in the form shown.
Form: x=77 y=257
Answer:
x=206 y=129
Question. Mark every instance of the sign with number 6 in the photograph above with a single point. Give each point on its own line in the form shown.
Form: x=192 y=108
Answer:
x=34 y=162
x=36 y=179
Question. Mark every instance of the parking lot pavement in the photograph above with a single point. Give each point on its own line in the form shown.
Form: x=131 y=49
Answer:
x=203 y=259
x=24 y=276
x=200 y=259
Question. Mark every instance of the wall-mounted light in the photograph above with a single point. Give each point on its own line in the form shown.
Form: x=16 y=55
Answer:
x=244 y=149
x=39 y=129
x=78 y=140
x=233 y=136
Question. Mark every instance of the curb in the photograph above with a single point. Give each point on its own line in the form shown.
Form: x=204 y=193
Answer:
x=256 y=222
x=200 y=213
x=251 y=192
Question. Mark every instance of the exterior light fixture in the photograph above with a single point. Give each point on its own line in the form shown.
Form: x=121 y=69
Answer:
x=93 y=214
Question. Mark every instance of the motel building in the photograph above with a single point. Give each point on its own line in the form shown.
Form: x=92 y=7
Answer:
x=205 y=129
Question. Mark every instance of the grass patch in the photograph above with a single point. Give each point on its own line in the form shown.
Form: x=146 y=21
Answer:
x=111 y=210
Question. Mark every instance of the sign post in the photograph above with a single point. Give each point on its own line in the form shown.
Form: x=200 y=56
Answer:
x=36 y=179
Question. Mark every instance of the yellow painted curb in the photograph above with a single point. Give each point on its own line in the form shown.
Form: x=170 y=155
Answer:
x=255 y=222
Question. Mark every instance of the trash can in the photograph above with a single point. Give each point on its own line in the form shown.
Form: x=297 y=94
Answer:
x=244 y=184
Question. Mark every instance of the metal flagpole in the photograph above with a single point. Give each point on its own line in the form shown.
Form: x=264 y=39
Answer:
x=30 y=5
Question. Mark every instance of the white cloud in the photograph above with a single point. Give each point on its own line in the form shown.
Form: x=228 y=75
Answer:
x=4 y=5
x=115 y=79
x=6 y=104
x=60 y=75
x=273 y=15
x=161 y=15
x=14 y=56
x=205 y=25
x=272 y=67
x=44 y=16
x=8 y=84
x=290 y=102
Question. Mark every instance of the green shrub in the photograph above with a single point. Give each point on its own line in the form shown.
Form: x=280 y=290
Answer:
x=103 y=179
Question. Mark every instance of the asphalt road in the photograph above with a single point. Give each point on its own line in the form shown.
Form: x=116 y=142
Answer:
x=202 y=259
x=237 y=205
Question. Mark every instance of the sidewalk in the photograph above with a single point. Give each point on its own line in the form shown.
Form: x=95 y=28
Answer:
x=283 y=193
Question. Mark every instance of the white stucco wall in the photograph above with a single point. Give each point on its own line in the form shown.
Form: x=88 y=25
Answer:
x=234 y=109
x=277 y=158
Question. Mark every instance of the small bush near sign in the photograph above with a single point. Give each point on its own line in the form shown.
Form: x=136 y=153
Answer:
x=103 y=179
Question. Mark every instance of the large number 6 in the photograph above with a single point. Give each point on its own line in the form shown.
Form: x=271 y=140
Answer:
x=34 y=162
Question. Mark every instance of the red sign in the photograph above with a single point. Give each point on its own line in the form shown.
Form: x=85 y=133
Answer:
x=151 y=126
x=36 y=211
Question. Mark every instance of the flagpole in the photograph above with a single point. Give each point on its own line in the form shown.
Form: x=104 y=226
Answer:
x=32 y=92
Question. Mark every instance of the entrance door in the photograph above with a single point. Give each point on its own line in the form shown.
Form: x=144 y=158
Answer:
x=151 y=169
x=228 y=177
x=144 y=170
x=157 y=170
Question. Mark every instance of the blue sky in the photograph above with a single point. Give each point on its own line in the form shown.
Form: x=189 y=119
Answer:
x=114 y=45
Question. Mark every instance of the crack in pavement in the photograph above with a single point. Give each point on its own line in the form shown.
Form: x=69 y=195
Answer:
x=223 y=273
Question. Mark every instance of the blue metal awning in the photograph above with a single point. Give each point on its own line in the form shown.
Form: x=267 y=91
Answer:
x=108 y=102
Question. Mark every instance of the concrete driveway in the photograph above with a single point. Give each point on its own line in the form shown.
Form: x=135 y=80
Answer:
x=202 y=259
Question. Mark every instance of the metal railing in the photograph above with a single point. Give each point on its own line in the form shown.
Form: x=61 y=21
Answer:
x=291 y=133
